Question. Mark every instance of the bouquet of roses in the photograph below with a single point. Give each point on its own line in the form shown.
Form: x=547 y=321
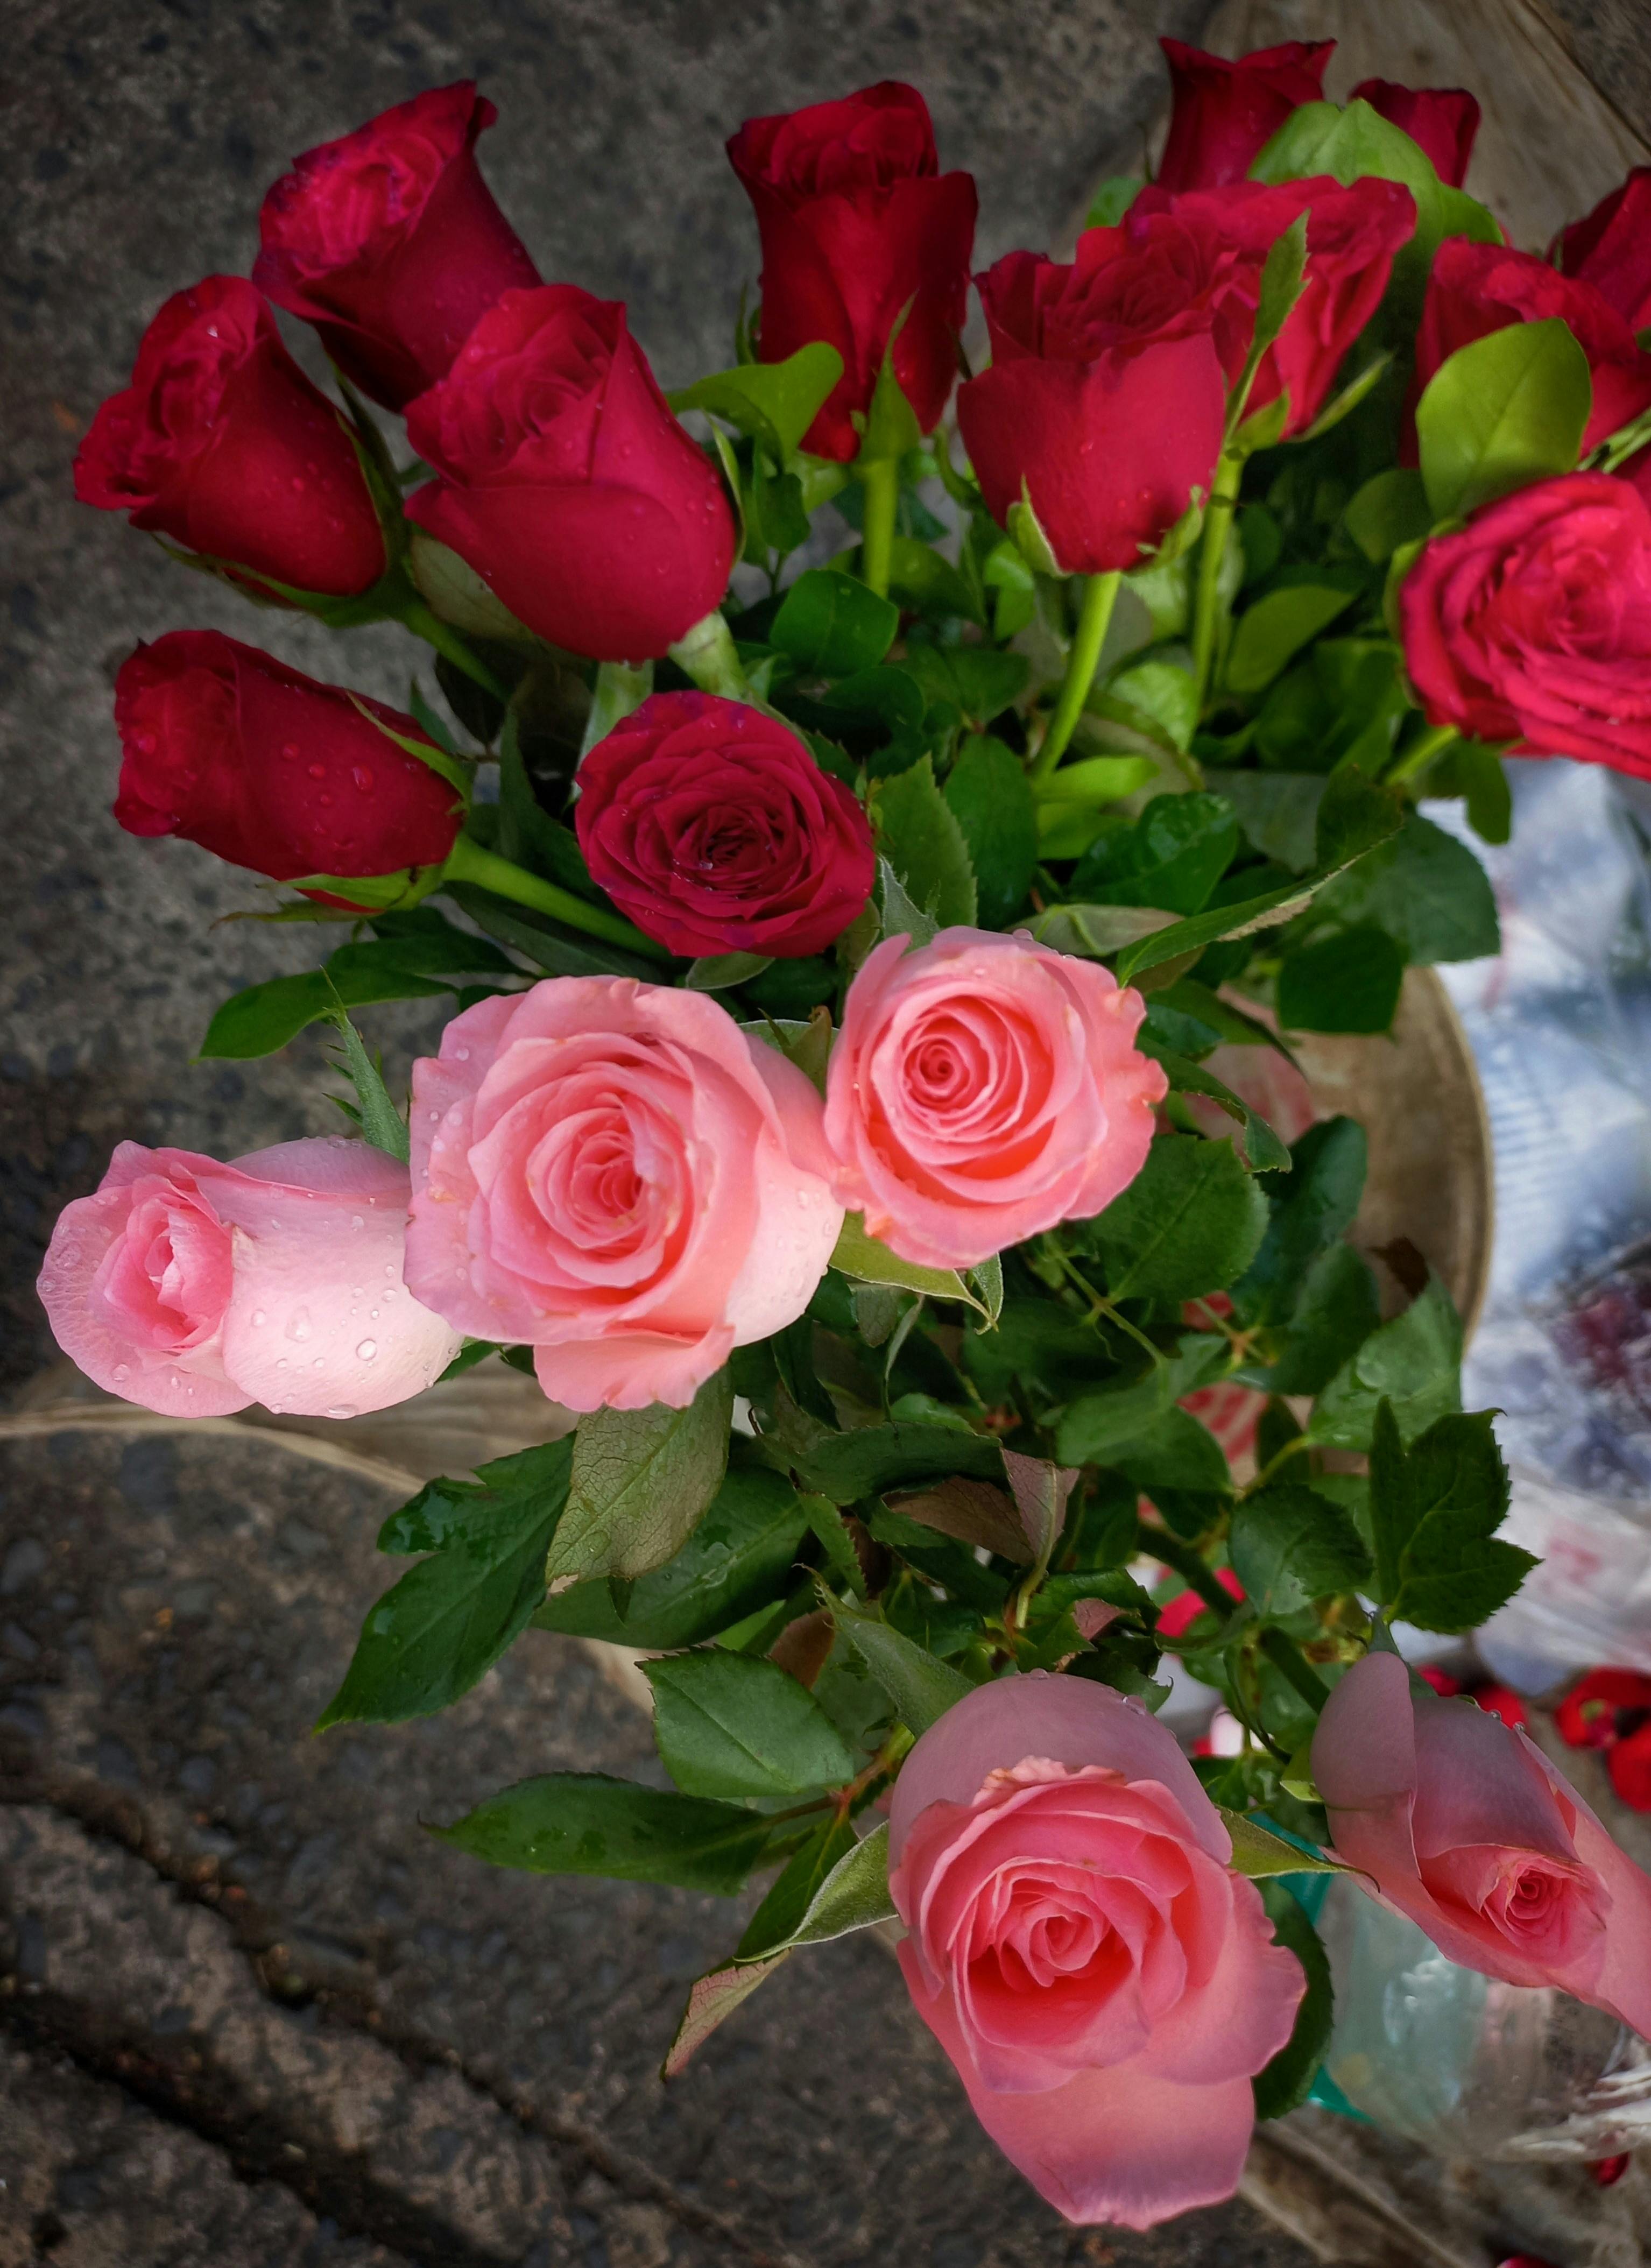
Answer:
x=853 y=844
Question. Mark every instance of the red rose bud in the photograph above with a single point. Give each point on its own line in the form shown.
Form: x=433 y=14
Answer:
x=222 y=443
x=712 y=826
x=1533 y=624
x=1104 y=403
x=1223 y=237
x=858 y=223
x=1442 y=121
x=232 y=750
x=565 y=482
x=1598 y=1709
x=1476 y=289
x=388 y=241
x=1611 y=249
x=1225 y=114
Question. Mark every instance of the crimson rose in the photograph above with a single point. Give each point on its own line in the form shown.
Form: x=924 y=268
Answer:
x=858 y=224
x=222 y=443
x=1476 y=289
x=1105 y=401
x=1226 y=234
x=567 y=482
x=1442 y=121
x=713 y=828
x=1225 y=114
x=1533 y=624
x=388 y=241
x=1611 y=249
x=230 y=749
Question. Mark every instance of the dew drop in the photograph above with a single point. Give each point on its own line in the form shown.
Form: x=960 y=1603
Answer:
x=366 y=1352
x=123 y=1370
x=291 y=751
x=357 y=1220
x=299 y=1327
x=318 y=771
x=259 y=1316
x=362 y=775
x=341 y=1409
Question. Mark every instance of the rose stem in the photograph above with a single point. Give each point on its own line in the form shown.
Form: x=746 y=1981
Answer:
x=1217 y=521
x=1095 y=618
x=469 y=862
x=880 y=487
x=707 y=653
x=1183 y=1560
x=1419 y=754
x=1293 y=1665
x=425 y=623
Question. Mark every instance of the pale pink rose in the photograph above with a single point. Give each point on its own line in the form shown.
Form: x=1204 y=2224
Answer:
x=617 y=1176
x=982 y=1088
x=1106 y=1986
x=1463 y=1824
x=193 y=1288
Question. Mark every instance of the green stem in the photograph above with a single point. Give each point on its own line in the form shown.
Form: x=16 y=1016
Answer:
x=1095 y=618
x=708 y=654
x=619 y=690
x=880 y=486
x=1293 y=1665
x=469 y=862
x=424 y=622
x=1292 y=1447
x=1181 y=1560
x=1218 y=519
x=1420 y=753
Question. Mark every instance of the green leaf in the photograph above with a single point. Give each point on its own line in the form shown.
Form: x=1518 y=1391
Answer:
x=1348 y=981
x=1097 y=930
x=736 y=1560
x=434 y=1634
x=1354 y=815
x=1277 y=812
x=734 y=1724
x=718 y=972
x=1272 y=631
x=381 y=1123
x=794 y=1889
x=1112 y=200
x=1257 y=1852
x=825 y=1522
x=1285 y=2082
x=774 y=402
x=1415 y=1362
x=1341 y=706
x=869 y=1459
x=890 y=428
x=921 y=1689
x=1472 y=770
x=921 y=577
x=1283 y=280
x=1311 y=1211
x=1156 y=698
x=1093 y=1425
x=990 y=798
x=641 y=1480
x=588 y=1823
x=1177 y=1454
x=1504 y=411
x=1262 y=1149
x=854 y=1895
x=832 y=624
x=1335 y=1315
x=1425 y=889
x=1434 y=1511
x=1289 y=1546
x=918 y=833
x=869 y=1260
x=1391 y=508
x=1172 y=858
x=560 y=952
x=1190 y=1222
x=711 y=2000
x=265 y=1017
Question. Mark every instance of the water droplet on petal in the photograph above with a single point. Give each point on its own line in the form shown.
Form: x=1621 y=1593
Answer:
x=300 y=1326
x=366 y=1352
x=341 y=1409
x=259 y=1316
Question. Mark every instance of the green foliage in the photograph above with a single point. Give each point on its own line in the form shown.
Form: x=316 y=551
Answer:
x=588 y=1823
x=1414 y=1363
x=775 y=403
x=1289 y=1546
x=919 y=834
x=1171 y=858
x=1346 y=982
x=1311 y=1209
x=1285 y=2083
x=1425 y=889
x=1270 y=633
x=640 y=1482
x=1434 y=1511
x=990 y=798
x=1501 y=412
x=1190 y=1222
x=830 y=625
x=921 y=1688
x=418 y=964
x=732 y=1725
x=381 y=1123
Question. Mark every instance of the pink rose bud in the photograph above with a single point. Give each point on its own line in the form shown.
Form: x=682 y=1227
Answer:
x=565 y=482
x=222 y=443
x=983 y=1088
x=388 y=241
x=617 y=1176
x=1106 y=1986
x=232 y=750
x=1533 y=624
x=193 y=1288
x=1225 y=114
x=714 y=829
x=1463 y=1824
x=1442 y=121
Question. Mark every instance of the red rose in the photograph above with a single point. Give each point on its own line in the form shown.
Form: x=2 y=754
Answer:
x=1476 y=289
x=222 y=443
x=232 y=750
x=567 y=482
x=713 y=828
x=1225 y=114
x=1104 y=402
x=1352 y=234
x=1611 y=249
x=858 y=222
x=1629 y=1765
x=1533 y=624
x=1442 y=121
x=1601 y=1707
x=388 y=241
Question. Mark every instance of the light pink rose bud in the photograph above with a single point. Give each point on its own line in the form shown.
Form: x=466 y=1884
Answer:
x=1106 y=1986
x=982 y=1088
x=1463 y=1824
x=195 y=1288
x=617 y=1176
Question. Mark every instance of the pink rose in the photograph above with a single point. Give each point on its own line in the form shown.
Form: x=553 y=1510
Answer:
x=1106 y=1986
x=615 y=1174
x=1463 y=1824
x=193 y=1288
x=983 y=1088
